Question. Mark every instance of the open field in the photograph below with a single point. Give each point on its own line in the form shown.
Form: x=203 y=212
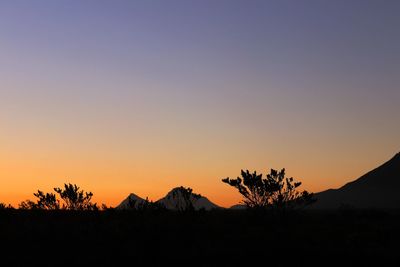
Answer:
x=216 y=238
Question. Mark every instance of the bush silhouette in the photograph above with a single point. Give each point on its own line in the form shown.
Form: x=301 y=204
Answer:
x=4 y=206
x=75 y=199
x=71 y=198
x=46 y=201
x=188 y=196
x=144 y=205
x=274 y=191
x=184 y=198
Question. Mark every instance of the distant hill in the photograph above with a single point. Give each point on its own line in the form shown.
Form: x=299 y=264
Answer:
x=131 y=201
x=174 y=200
x=378 y=188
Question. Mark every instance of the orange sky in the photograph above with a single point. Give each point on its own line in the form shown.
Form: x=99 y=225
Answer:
x=112 y=176
x=143 y=96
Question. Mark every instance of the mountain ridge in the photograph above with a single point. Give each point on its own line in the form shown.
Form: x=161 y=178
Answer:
x=375 y=189
x=173 y=200
x=176 y=200
x=131 y=202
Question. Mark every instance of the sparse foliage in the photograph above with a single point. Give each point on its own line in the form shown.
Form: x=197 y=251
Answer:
x=28 y=205
x=71 y=198
x=187 y=197
x=4 y=206
x=144 y=205
x=104 y=207
x=47 y=201
x=275 y=191
x=75 y=199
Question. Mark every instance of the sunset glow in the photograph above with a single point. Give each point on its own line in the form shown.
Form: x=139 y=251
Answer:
x=143 y=96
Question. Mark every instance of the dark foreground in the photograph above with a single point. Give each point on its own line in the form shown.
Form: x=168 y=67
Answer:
x=218 y=238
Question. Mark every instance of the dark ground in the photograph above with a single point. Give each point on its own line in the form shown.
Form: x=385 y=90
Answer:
x=217 y=238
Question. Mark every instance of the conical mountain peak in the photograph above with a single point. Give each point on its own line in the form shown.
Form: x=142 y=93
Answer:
x=130 y=202
x=179 y=198
x=132 y=195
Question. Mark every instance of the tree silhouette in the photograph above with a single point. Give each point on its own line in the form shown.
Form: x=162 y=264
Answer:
x=28 y=205
x=185 y=197
x=4 y=206
x=47 y=201
x=75 y=199
x=275 y=191
x=72 y=198
x=144 y=205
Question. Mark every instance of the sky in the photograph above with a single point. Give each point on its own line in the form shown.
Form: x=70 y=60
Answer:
x=139 y=97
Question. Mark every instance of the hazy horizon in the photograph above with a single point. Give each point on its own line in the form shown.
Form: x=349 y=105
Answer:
x=139 y=97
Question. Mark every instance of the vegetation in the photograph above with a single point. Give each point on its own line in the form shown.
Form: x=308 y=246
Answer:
x=145 y=205
x=186 y=196
x=228 y=237
x=4 y=206
x=69 y=198
x=274 y=191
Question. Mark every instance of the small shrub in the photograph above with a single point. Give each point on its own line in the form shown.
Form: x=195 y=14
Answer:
x=274 y=191
x=71 y=198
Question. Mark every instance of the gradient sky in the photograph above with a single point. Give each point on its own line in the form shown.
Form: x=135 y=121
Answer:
x=143 y=96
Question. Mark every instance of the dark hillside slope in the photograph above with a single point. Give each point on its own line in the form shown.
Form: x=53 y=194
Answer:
x=378 y=188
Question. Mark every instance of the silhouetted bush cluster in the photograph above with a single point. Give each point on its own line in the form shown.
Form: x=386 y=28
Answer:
x=186 y=197
x=4 y=206
x=274 y=191
x=145 y=205
x=69 y=198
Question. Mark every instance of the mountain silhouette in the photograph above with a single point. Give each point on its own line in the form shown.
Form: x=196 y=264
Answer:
x=132 y=201
x=175 y=200
x=376 y=189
